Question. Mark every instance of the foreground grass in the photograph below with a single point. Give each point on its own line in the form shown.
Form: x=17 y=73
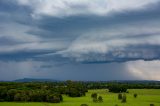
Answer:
x=145 y=97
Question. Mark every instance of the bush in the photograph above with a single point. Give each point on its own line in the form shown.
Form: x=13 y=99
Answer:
x=124 y=98
x=61 y=98
x=120 y=96
x=100 y=99
x=152 y=105
x=95 y=100
x=135 y=95
x=94 y=95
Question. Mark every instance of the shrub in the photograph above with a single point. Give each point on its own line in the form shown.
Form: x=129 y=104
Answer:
x=95 y=100
x=94 y=95
x=152 y=105
x=61 y=98
x=100 y=99
x=135 y=95
x=124 y=98
x=119 y=96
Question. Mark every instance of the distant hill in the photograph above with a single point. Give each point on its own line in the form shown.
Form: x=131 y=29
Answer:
x=35 y=80
x=117 y=81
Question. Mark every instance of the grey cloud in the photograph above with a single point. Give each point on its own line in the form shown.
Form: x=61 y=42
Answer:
x=74 y=26
x=37 y=42
x=133 y=42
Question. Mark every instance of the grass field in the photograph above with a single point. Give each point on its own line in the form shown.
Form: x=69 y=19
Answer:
x=145 y=97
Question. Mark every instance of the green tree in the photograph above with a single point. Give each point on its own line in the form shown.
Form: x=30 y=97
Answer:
x=100 y=99
x=95 y=99
x=120 y=96
x=135 y=95
x=117 y=88
x=10 y=94
x=124 y=98
x=94 y=95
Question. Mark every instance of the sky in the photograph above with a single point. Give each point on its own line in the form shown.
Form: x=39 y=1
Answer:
x=80 y=39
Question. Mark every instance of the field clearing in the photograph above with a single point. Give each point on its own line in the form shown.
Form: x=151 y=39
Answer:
x=145 y=97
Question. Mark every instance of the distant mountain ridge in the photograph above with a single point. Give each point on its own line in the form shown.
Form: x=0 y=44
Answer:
x=53 y=80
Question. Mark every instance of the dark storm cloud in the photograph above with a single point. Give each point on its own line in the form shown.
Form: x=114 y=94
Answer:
x=76 y=25
x=75 y=38
x=70 y=28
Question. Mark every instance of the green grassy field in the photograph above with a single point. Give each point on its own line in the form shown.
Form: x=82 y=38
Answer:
x=145 y=97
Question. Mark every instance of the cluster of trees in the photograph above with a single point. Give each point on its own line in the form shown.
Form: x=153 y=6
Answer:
x=75 y=89
x=122 y=97
x=40 y=92
x=116 y=88
x=25 y=95
x=122 y=87
x=126 y=84
x=52 y=91
x=96 y=98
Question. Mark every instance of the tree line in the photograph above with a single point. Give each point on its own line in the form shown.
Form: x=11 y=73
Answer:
x=40 y=91
x=53 y=91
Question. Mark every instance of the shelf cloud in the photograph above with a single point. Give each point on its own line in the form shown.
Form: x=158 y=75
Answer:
x=79 y=34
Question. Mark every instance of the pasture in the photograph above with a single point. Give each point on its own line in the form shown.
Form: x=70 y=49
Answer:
x=145 y=98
